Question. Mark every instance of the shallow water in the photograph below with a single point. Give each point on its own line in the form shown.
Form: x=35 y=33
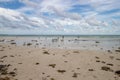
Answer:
x=66 y=42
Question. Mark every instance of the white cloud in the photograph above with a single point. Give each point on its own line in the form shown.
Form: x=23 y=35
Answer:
x=104 y=5
x=14 y=19
x=43 y=5
x=60 y=7
x=63 y=20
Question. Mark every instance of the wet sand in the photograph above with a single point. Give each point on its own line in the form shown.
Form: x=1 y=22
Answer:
x=25 y=61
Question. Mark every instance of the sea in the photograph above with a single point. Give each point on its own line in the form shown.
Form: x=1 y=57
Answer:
x=82 y=42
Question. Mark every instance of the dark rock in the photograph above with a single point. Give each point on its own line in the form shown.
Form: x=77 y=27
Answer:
x=117 y=50
x=3 y=57
x=111 y=57
x=5 y=78
x=43 y=73
x=34 y=40
x=28 y=44
x=105 y=68
x=97 y=57
x=75 y=75
x=3 y=69
x=117 y=59
x=1 y=61
x=1 y=50
x=75 y=51
x=118 y=47
x=19 y=63
x=11 y=56
x=109 y=51
x=61 y=71
x=37 y=63
x=46 y=52
x=97 y=60
x=12 y=74
x=78 y=68
x=90 y=69
x=13 y=43
x=52 y=79
x=117 y=72
x=52 y=65
x=97 y=42
x=65 y=61
x=103 y=62
x=110 y=64
x=2 y=40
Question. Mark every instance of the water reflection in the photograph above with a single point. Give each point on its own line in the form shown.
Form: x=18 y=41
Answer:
x=65 y=42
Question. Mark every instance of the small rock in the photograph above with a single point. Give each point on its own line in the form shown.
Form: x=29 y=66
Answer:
x=97 y=60
x=3 y=57
x=3 y=69
x=28 y=44
x=117 y=59
x=11 y=56
x=117 y=72
x=65 y=61
x=109 y=51
x=37 y=63
x=12 y=73
x=117 y=50
x=52 y=79
x=90 y=69
x=110 y=64
x=13 y=43
x=5 y=78
x=111 y=57
x=105 y=68
x=61 y=71
x=46 y=52
x=52 y=65
x=97 y=42
x=75 y=75
x=75 y=51
x=1 y=50
x=103 y=62
x=97 y=57
x=19 y=63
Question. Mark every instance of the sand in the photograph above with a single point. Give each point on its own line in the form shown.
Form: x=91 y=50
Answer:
x=26 y=62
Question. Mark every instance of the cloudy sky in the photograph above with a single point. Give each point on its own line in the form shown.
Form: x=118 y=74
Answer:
x=60 y=17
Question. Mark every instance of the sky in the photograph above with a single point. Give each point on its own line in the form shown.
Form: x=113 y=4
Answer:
x=60 y=17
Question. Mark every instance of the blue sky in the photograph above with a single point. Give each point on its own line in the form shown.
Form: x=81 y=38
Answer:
x=59 y=17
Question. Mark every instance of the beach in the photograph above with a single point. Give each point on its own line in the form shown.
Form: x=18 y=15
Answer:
x=59 y=58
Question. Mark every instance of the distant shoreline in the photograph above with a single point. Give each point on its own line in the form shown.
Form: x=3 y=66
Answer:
x=101 y=36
